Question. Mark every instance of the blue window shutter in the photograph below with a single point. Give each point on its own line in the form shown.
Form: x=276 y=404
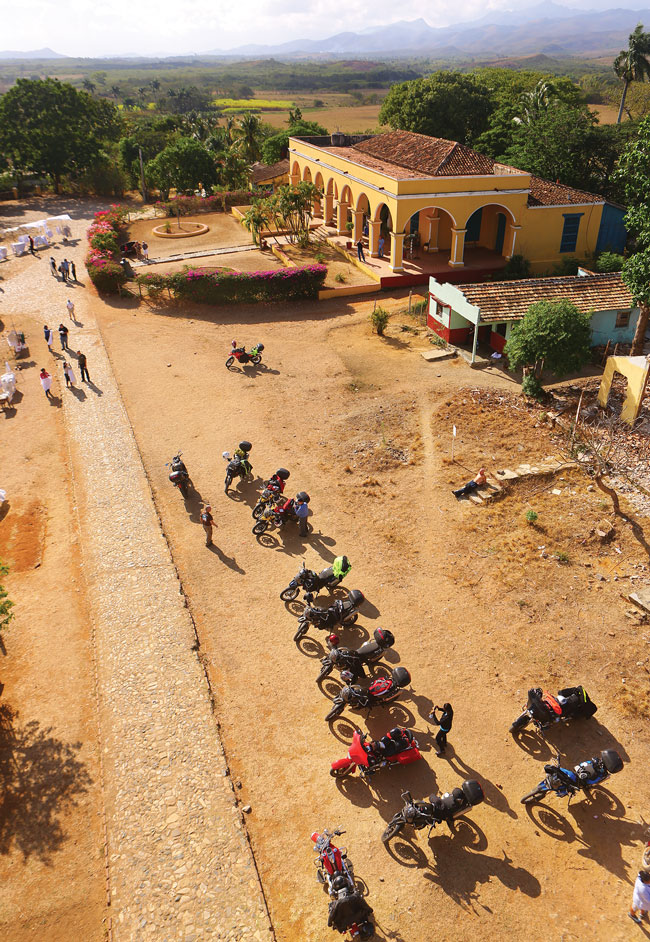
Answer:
x=473 y=226
x=570 y=232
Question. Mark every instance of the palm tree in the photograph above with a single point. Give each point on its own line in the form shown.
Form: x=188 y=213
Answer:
x=116 y=91
x=632 y=64
x=88 y=85
x=247 y=140
x=535 y=102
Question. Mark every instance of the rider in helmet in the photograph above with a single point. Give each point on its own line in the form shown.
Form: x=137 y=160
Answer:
x=341 y=567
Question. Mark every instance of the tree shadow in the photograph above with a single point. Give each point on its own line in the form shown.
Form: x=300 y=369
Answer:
x=41 y=778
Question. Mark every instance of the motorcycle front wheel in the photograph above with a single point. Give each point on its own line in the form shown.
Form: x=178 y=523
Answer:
x=260 y=527
x=536 y=795
x=257 y=510
x=334 y=712
x=303 y=628
x=289 y=595
x=256 y=359
x=341 y=773
x=520 y=722
x=325 y=672
x=392 y=831
x=229 y=362
x=228 y=482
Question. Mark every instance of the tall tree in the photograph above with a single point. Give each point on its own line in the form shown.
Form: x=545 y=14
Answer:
x=632 y=64
x=50 y=126
x=183 y=164
x=275 y=147
x=247 y=138
x=446 y=104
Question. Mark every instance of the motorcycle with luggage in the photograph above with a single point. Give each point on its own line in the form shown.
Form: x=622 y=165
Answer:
x=543 y=709
x=398 y=747
x=254 y=355
x=238 y=466
x=278 y=515
x=179 y=475
x=341 y=612
x=348 y=911
x=312 y=582
x=380 y=692
x=566 y=782
x=272 y=493
x=438 y=809
x=355 y=661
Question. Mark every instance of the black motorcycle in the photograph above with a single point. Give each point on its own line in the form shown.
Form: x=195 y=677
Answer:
x=543 y=709
x=438 y=809
x=238 y=466
x=354 y=661
x=325 y=619
x=179 y=475
x=383 y=690
x=312 y=582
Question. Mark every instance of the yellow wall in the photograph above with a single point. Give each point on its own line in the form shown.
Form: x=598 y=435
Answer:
x=538 y=239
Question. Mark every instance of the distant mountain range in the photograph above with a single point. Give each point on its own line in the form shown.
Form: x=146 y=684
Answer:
x=548 y=28
x=33 y=54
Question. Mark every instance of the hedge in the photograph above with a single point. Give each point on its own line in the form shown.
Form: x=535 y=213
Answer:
x=191 y=205
x=229 y=287
x=103 y=259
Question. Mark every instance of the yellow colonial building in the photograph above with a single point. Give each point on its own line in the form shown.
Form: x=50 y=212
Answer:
x=408 y=196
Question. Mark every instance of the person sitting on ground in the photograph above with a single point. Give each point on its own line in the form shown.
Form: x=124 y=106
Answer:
x=479 y=480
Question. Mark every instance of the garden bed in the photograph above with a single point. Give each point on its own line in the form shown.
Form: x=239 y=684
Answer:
x=337 y=265
x=224 y=232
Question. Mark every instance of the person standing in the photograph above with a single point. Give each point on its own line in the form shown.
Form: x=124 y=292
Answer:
x=83 y=366
x=444 y=721
x=46 y=381
x=31 y=245
x=65 y=265
x=640 y=897
x=145 y=252
x=73 y=269
x=69 y=375
x=207 y=522
x=63 y=336
x=301 y=510
x=380 y=246
x=70 y=307
x=49 y=337
x=53 y=265
x=360 y=254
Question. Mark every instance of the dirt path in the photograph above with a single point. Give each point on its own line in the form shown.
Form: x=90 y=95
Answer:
x=347 y=414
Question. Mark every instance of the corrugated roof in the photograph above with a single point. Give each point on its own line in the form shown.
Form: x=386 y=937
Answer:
x=509 y=300
x=545 y=193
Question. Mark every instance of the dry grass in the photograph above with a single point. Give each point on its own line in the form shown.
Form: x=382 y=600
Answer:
x=337 y=264
x=349 y=118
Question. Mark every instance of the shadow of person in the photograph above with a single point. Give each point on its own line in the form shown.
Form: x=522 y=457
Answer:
x=492 y=793
x=423 y=704
x=320 y=544
x=41 y=777
x=55 y=401
x=95 y=389
x=228 y=561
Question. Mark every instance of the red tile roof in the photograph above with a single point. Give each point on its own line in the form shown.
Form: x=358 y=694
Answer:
x=545 y=193
x=262 y=172
x=429 y=156
x=509 y=300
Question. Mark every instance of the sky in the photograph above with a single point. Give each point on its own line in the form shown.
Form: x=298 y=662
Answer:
x=180 y=27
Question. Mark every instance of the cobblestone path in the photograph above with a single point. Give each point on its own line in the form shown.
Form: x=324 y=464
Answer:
x=179 y=861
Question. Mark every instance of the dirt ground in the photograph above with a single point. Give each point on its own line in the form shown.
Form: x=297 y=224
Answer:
x=239 y=261
x=480 y=605
x=225 y=231
x=337 y=265
x=52 y=874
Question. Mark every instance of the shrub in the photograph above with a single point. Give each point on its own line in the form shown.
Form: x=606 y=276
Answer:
x=609 y=261
x=192 y=205
x=531 y=387
x=5 y=602
x=563 y=558
x=103 y=262
x=379 y=320
x=229 y=287
x=339 y=277
x=516 y=267
x=531 y=516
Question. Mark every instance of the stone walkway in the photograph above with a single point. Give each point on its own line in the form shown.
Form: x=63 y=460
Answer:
x=228 y=250
x=180 y=866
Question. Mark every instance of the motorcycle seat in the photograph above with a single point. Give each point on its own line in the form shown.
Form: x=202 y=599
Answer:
x=452 y=801
x=368 y=649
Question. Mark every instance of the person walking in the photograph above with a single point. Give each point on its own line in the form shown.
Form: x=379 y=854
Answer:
x=46 y=381
x=53 y=265
x=65 y=266
x=70 y=307
x=444 y=721
x=63 y=336
x=380 y=246
x=83 y=366
x=49 y=337
x=360 y=254
x=31 y=245
x=207 y=522
x=73 y=269
x=301 y=510
x=640 y=897
x=69 y=375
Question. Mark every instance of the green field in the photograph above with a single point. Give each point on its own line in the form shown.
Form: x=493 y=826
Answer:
x=252 y=104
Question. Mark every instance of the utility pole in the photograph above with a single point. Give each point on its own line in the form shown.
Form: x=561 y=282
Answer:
x=142 y=183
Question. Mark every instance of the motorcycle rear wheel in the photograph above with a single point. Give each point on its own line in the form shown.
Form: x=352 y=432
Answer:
x=536 y=795
x=229 y=362
x=289 y=595
x=520 y=722
x=392 y=831
x=341 y=773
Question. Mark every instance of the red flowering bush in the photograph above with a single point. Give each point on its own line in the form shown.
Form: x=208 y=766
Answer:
x=103 y=258
x=191 y=205
x=230 y=287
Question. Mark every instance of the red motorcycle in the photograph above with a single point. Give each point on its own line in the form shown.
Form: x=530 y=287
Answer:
x=348 y=910
x=332 y=862
x=398 y=747
x=240 y=354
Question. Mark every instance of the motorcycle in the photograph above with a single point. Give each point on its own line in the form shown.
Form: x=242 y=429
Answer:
x=278 y=515
x=240 y=354
x=311 y=582
x=398 y=747
x=348 y=911
x=238 y=466
x=272 y=492
x=381 y=691
x=347 y=659
x=543 y=709
x=439 y=808
x=581 y=778
x=179 y=475
x=342 y=612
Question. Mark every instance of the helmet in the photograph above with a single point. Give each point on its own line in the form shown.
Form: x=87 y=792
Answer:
x=348 y=694
x=282 y=473
x=303 y=496
x=234 y=344
x=260 y=346
x=345 y=562
x=347 y=676
x=333 y=640
x=314 y=836
x=245 y=446
x=339 y=883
